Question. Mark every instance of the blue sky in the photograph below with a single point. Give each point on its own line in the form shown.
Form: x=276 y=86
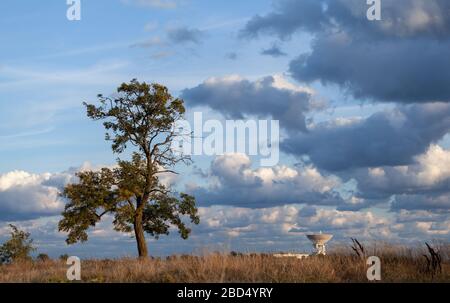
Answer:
x=370 y=158
x=64 y=63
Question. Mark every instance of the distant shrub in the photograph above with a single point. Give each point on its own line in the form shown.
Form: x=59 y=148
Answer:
x=17 y=248
x=235 y=254
x=42 y=258
x=64 y=257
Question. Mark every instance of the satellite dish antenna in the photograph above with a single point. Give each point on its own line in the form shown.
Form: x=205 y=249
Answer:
x=319 y=241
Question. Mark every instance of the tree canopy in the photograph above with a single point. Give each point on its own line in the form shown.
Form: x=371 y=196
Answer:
x=140 y=116
x=18 y=247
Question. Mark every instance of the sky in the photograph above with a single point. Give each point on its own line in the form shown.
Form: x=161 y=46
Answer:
x=363 y=108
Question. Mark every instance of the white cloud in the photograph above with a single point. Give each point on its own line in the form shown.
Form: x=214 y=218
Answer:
x=283 y=224
x=25 y=196
x=232 y=181
x=428 y=173
x=422 y=224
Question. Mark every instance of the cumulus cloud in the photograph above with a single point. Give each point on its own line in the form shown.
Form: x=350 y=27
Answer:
x=345 y=222
x=222 y=228
x=402 y=58
x=234 y=182
x=422 y=185
x=388 y=138
x=286 y=226
x=426 y=225
x=273 y=96
x=428 y=174
x=273 y=229
x=25 y=196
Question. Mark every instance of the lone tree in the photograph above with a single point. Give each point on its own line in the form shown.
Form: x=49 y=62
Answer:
x=140 y=115
x=17 y=248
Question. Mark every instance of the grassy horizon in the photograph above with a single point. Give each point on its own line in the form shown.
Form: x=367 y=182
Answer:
x=340 y=266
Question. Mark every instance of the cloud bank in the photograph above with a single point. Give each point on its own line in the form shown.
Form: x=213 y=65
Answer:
x=272 y=96
x=402 y=58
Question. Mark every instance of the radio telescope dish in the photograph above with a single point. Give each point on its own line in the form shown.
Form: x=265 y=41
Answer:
x=319 y=241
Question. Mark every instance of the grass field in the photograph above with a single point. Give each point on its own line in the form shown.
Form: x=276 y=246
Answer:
x=397 y=266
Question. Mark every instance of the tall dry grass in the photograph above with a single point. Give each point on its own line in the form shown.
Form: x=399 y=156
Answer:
x=341 y=266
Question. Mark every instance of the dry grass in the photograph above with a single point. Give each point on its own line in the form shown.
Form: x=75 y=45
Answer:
x=397 y=266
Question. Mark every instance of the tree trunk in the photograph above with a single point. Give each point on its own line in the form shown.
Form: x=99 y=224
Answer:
x=140 y=236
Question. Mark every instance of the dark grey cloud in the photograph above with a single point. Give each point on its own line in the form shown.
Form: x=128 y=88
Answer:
x=238 y=98
x=288 y=17
x=431 y=203
x=184 y=35
x=407 y=71
x=402 y=58
x=400 y=19
x=389 y=138
x=231 y=56
x=274 y=51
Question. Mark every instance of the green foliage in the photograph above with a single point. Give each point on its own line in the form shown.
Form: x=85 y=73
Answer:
x=114 y=191
x=64 y=257
x=140 y=115
x=94 y=191
x=17 y=248
x=167 y=211
x=139 y=110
